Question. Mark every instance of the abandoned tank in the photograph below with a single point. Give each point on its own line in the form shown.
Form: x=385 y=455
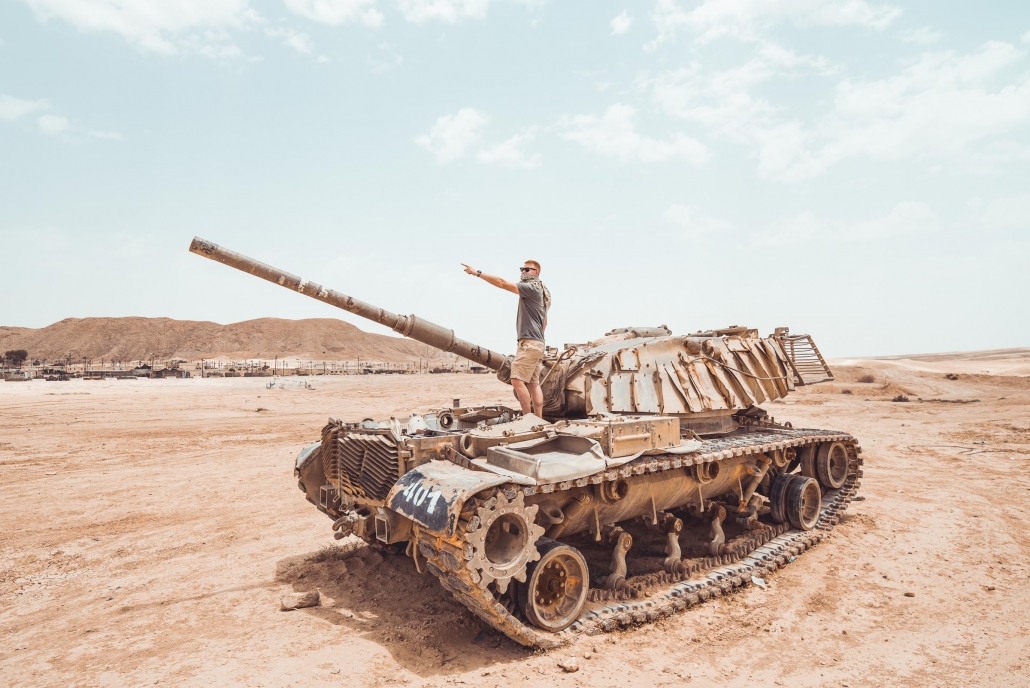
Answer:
x=655 y=480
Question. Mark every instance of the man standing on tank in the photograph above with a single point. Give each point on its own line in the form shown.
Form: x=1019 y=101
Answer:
x=530 y=323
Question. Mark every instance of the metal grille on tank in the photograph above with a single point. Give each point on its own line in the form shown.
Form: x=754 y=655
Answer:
x=332 y=464
x=370 y=461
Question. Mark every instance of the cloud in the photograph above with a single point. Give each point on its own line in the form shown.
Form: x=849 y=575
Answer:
x=301 y=42
x=749 y=19
x=614 y=134
x=693 y=224
x=921 y=36
x=511 y=152
x=449 y=11
x=908 y=217
x=107 y=135
x=1007 y=213
x=161 y=26
x=390 y=59
x=1026 y=37
x=905 y=218
x=621 y=23
x=451 y=135
x=789 y=230
x=12 y=108
x=51 y=125
x=936 y=107
x=722 y=99
x=336 y=12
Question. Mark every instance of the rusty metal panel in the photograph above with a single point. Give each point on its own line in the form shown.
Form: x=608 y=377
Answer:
x=645 y=396
x=681 y=380
x=620 y=388
x=628 y=360
x=596 y=394
x=746 y=362
x=627 y=436
x=673 y=398
x=710 y=394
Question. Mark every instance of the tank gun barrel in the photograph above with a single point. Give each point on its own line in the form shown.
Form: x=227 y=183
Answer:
x=407 y=325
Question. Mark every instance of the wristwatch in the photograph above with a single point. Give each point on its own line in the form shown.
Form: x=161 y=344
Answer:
x=479 y=273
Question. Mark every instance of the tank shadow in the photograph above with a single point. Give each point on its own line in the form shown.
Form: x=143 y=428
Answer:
x=382 y=598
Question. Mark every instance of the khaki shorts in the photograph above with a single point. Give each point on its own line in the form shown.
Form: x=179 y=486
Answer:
x=526 y=366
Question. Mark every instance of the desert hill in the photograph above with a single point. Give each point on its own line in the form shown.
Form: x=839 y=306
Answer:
x=130 y=339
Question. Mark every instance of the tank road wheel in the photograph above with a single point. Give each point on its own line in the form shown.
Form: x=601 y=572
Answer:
x=803 y=502
x=556 y=587
x=831 y=465
x=778 y=497
x=501 y=540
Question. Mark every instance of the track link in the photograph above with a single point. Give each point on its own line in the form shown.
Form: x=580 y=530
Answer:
x=756 y=557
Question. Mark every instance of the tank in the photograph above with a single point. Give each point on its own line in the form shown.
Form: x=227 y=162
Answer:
x=654 y=481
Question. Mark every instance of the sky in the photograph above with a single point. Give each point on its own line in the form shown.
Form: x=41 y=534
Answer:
x=855 y=170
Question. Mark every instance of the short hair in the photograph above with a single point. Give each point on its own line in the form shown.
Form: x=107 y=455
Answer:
x=534 y=264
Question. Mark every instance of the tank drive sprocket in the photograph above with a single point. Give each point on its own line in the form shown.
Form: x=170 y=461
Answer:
x=501 y=540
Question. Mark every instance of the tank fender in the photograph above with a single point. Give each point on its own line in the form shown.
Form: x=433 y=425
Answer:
x=433 y=494
x=306 y=454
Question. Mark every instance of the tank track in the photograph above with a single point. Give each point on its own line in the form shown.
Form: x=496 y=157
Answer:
x=710 y=578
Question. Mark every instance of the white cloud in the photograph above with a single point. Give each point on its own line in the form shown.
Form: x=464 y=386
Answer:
x=51 y=125
x=935 y=107
x=1007 y=213
x=107 y=135
x=621 y=23
x=449 y=11
x=451 y=135
x=908 y=217
x=789 y=230
x=301 y=42
x=336 y=12
x=12 y=108
x=693 y=224
x=921 y=36
x=160 y=26
x=387 y=60
x=511 y=152
x=905 y=218
x=1026 y=37
x=749 y=19
x=722 y=99
x=614 y=134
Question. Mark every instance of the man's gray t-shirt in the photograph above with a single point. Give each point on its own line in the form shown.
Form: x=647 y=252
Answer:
x=530 y=320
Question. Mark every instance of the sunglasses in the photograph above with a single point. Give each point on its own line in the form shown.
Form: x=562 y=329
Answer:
x=526 y=269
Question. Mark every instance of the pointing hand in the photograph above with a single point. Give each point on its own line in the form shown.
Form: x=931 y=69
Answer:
x=468 y=269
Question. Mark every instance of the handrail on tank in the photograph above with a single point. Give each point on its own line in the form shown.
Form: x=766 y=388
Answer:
x=407 y=325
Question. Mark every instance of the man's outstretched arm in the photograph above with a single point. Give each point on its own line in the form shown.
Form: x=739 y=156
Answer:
x=499 y=282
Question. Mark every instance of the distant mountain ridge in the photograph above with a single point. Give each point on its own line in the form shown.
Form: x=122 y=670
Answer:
x=133 y=338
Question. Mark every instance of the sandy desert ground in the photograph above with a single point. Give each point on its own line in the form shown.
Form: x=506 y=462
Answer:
x=149 y=529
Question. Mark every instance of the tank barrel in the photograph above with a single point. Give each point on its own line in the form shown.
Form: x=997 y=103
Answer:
x=407 y=325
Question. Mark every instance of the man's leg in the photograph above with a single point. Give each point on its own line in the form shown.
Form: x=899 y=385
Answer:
x=523 y=394
x=537 y=395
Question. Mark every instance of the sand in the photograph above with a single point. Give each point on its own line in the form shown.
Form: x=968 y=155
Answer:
x=151 y=527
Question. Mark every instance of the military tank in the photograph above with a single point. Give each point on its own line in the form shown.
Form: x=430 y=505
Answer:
x=654 y=481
